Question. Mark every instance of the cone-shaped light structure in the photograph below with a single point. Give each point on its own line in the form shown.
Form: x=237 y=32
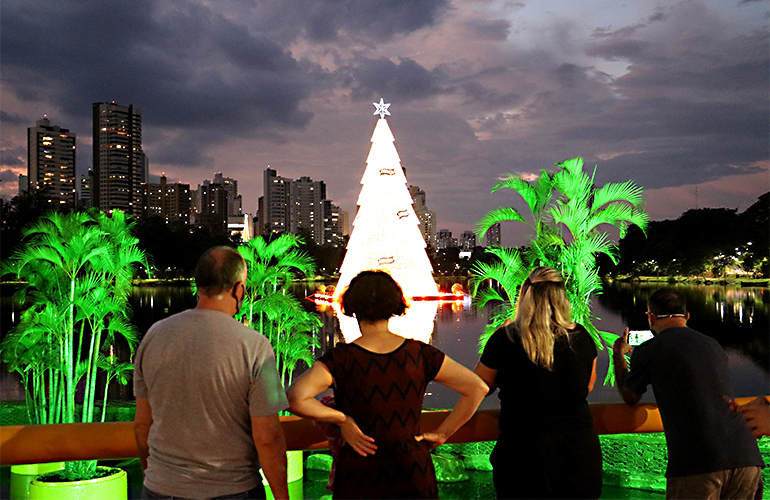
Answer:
x=385 y=232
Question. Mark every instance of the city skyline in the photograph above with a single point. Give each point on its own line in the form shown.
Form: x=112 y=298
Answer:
x=671 y=95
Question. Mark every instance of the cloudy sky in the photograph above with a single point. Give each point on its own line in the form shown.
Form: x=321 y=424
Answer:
x=671 y=94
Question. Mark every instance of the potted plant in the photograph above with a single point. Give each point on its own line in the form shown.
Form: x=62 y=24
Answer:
x=76 y=272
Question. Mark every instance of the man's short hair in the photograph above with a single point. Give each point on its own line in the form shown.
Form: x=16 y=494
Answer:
x=666 y=301
x=218 y=269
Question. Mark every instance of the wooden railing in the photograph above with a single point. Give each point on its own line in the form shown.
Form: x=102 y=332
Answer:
x=27 y=444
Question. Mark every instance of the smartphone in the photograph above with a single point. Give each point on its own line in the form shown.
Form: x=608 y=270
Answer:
x=636 y=337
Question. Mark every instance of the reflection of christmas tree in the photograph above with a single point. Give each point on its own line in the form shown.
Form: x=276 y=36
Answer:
x=385 y=231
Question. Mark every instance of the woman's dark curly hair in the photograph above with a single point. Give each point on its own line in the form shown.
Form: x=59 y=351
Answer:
x=372 y=296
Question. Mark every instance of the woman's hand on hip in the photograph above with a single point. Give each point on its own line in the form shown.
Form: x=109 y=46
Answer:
x=361 y=443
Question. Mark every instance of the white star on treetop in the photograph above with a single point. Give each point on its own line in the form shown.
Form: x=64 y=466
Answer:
x=382 y=108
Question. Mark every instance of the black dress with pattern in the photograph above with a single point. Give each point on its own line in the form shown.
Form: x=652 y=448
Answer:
x=383 y=393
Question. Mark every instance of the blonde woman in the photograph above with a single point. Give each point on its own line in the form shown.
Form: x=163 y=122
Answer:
x=545 y=366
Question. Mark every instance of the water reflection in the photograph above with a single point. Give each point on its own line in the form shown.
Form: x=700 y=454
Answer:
x=735 y=317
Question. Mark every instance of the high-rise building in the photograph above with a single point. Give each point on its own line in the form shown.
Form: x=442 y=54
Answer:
x=492 y=238
x=51 y=163
x=215 y=202
x=171 y=202
x=468 y=240
x=86 y=193
x=259 y=226
x=345 y=218
x=23 y=183
x=298 y=207
x=234 y=200
x=307 y=214
x=445 y=239
x=332 y=223
x=195 y=200
x=119 y=163
x=275 y=203
x=427 y=217
x=214 y=199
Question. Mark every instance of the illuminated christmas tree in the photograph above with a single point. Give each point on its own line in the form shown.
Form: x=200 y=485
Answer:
x=385 y=232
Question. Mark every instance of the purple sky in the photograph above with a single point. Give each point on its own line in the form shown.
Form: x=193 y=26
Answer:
x=673 y=95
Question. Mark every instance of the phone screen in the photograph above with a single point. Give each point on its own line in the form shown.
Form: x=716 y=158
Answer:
x=636 y=337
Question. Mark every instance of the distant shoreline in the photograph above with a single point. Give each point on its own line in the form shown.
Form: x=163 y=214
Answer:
x=692 y=280
x=685 y=280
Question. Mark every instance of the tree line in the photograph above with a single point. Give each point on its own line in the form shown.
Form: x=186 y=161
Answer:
x=707 y=242
x=701 y=242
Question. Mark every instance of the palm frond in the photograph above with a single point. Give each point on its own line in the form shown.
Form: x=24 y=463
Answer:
x=624 y=192
x=496 y=216
x=524 y=188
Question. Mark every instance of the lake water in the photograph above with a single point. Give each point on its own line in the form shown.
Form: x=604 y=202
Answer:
x=736 y=317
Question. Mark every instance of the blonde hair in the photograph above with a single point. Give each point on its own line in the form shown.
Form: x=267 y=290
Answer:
x=543 y=314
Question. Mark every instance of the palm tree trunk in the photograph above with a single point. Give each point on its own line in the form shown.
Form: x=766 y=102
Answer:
x=88 y=403
x=32 y=398
x=104 y=399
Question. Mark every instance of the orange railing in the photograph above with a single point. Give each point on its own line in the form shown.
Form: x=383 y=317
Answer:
x=27 y=444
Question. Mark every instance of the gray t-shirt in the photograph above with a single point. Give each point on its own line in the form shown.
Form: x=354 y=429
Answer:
x=205 y=374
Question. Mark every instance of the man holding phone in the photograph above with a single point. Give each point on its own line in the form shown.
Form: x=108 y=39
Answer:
x=711 y=452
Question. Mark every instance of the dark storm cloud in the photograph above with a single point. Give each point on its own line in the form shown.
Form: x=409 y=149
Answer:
x=12 y=157
x=488 y=29
x=488 y=97
x=327 y=20
x=673 y=164
x=9 y=177
x=372 y=78
x=191 y=67
x=660 y=118
x=10 y=119
x=694 y=105
x=188 y=66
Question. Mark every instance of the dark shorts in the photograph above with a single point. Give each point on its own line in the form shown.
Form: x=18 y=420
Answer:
x=257 y=493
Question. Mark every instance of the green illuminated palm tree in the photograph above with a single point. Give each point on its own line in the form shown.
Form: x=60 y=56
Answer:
x=272 y=267
x=291 y=331
x=76 y=271
x=270 y=308
x=568 y=213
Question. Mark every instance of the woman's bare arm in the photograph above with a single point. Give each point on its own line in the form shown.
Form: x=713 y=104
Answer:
x=488 y=375
x=302 y=402
x=592 y=381
x=472 y=391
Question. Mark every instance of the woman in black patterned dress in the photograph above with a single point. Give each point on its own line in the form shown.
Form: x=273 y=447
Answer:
x=379 y=383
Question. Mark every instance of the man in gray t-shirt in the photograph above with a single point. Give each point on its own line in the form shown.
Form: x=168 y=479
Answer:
x=208 y=396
